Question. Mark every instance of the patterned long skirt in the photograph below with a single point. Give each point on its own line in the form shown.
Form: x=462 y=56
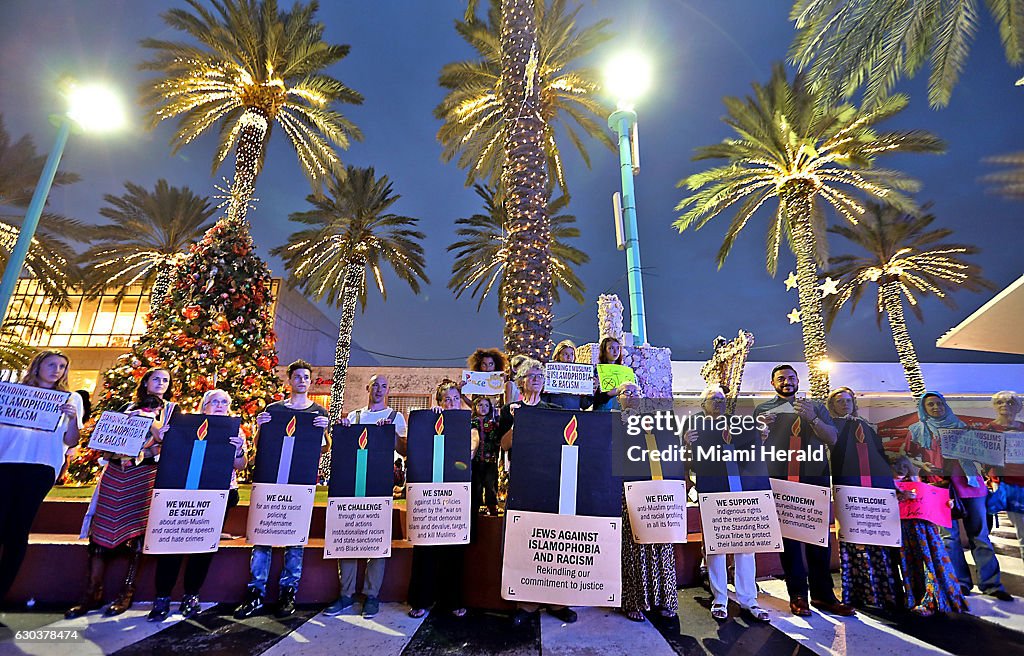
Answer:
x=871 y=575
x=927 y=571
x=122 y=504
x=648 y=573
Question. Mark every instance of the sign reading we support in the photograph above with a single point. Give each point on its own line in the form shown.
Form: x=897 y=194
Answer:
x=487 y=383
x=930 y=503
x=438 y=485
x=571 y=560
x=358 y=520
x=190 y=495
x=613 y=375
x=657 y=511
x=803 y=510
x=969 y=444
x=868 y=515
x=739 y=522
x=25 y=406
x=120 y=433
x=568 y=378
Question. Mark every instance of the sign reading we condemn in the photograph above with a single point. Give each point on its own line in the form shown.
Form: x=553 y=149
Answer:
x=803 y=510
x=25 y=406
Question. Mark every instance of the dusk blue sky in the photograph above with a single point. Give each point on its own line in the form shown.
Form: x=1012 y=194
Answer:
x=702 y=51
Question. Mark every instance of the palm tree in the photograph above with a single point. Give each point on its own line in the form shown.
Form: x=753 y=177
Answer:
x=352 y=233
x=474 y=126
x=845 y=42
x=482 y=253
x=50 y=258
x=148 y=237
x=253 y=65
x=1008 y=182
x=904 y=259
x=16 y=334
x=794 y=145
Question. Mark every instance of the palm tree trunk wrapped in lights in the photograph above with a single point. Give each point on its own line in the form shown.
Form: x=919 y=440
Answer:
x=353 y=286
x=893 y=306
x=797 y=205
x=252 y=134
x=527 y=283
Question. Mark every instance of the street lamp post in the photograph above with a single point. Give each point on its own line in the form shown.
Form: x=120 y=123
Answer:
x=90 y=108
x=628 y=76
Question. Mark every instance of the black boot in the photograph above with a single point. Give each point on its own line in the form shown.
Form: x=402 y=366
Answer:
x=92 y=599
x=286 y=604
x=124 y=600
x=253 y=605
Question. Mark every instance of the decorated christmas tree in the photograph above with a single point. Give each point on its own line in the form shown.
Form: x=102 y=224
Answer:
x=212 y=330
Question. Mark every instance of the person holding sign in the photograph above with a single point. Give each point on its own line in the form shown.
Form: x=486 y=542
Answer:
x=299 y=378
x=376 y=411
x=218 y=403
x=965 y=482
x=870 y=573
x=610 y=352
x=529 y=378
x=565 y=353
x=815 y=431
x=486 y=360
x=928 y=577
x=485 y=457
x=122 y=498
x=725 y=476
x=1011 y=477
x=30 y=459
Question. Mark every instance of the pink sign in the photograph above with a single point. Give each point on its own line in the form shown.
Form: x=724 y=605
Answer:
x=931 y=504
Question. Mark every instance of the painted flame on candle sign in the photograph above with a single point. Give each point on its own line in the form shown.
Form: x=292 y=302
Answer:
x=439 y=425
x=795 y=432
x=727 y=437
x=289 y=430
x=362 y=440
x=570 y=431
x=859 y=433
x=204 y=428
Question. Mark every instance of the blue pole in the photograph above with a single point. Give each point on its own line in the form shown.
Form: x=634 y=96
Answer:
x=35 y=210
x=622 y=122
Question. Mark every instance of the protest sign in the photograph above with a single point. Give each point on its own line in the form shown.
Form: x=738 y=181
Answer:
x=438 y=487
x=288 y=448
x=739 y=522
x=868 y=515
x=120 y=433
x=487 y=383
x=613 y=375
x=982 y=446
x=359 y=503
x=567 y=378
x=279 y=515
x=803 y=510
x=931 y=503
x=569 y=560
x=185 y=521
x=25 y=406
x=1014 y=447
x=657 y=511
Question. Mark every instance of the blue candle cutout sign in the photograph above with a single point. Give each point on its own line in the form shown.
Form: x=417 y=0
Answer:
x=195 y=463
x=284 y=465
x=438 y=472
x=731 y=468
x=361 y=465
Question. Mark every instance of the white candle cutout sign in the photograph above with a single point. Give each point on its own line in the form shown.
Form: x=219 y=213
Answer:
x=567 y=472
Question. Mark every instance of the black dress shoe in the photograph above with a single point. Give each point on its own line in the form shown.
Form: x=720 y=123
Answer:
x=286 y=604
x=521 y=617
x=564 y=613
x=253 y=605
x=1001 y=595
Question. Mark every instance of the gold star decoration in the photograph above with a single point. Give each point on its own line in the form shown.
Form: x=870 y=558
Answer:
x=791 y=281
x=794 y=316
x=829 y=287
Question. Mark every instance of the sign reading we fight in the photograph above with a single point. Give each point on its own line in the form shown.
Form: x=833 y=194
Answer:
x=119 y=433
x=657 y=511
x=25 y=406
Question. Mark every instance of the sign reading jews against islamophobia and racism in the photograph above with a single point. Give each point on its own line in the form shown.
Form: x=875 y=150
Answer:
x=568 y=378
x=803 y=511
x=563 y=532
x=119 y=433
x=359 y=497
x=929 y=503
x=25 y=406
x=739 y=522
x=613 y=375
x=986 y=447
x=190 y=495
x=868 y=515
x=438 y=477
x=487 y=383
x=284 y=479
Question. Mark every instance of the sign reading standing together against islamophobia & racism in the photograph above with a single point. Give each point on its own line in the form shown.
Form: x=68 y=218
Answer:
x=563 y=533
x=284 y=479
x=119 y=433
x=438 y=477
x=360 y=493
x=568 y=378
x=190 y=495
x=25 y=406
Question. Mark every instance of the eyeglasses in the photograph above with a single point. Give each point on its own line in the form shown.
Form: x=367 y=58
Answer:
x=535 y=376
